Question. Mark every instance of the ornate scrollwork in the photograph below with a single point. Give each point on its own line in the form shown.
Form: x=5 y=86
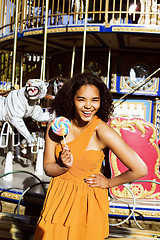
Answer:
x=137 y=189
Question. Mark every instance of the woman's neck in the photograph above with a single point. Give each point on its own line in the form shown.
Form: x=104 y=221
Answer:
x=78 y=123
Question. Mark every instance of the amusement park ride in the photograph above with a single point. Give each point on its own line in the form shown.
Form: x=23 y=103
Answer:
x=52 y=40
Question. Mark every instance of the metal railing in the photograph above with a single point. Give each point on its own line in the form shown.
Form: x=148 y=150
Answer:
x=31 y=13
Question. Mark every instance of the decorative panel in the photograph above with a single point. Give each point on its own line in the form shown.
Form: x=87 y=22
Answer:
x=150 y=88
x=142 y=137
x=134 y=108
x=126 y=84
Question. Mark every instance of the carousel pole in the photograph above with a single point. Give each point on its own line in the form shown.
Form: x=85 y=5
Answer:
x=9 y=156
x=45 y=42
x=73 y=59
x=41 y=74
x=39 y=161
x=109 y=63
x=84 y=35
x=15 y=43
x=21 y=76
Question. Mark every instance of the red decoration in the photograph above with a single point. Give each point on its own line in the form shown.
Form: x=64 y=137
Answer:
x=142 y=137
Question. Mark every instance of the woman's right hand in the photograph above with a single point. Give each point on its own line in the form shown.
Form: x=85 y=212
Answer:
x=66 y=157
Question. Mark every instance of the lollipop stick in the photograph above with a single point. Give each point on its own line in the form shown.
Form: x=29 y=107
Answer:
x=64 y=140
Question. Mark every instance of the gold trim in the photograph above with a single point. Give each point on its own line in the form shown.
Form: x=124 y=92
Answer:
x=64 y=29
x=126 y=212
x=137 y=189
x=6 y=38
x=33 y=32
x=135 y=29
x=114 y=82
x=81 y=29
x=10 y=195
x=55 y=30
x=16 y=196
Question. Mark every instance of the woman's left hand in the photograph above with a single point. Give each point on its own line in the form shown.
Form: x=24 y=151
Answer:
x=97 y=180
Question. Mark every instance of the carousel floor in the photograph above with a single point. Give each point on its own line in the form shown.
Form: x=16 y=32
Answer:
x=22 y=228
x=24 y=174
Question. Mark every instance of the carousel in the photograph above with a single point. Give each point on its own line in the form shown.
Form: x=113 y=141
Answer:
x=44 y=42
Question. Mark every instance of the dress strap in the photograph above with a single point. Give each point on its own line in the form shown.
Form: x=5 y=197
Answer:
x=79 y=145
x=90 y=130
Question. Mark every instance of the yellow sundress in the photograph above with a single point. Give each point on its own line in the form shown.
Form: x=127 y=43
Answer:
x=72 y=210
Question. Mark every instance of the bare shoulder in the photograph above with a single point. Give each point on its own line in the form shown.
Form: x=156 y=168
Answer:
x=104 y=128
x=106 y=134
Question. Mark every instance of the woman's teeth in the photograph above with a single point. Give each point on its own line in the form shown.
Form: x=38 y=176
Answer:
x=87 y=113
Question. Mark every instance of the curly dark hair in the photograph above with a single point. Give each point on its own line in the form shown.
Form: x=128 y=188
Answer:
x=64 y=100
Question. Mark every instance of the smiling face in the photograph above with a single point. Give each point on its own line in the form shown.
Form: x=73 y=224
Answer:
x=87 y=102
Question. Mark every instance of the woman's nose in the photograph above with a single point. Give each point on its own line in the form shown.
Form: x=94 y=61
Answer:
x=88 y=104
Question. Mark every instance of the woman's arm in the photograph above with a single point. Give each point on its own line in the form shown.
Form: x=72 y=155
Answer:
x=136 y=166
x=51 y=167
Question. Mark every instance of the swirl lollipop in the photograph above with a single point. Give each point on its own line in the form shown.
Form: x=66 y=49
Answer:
x=61 y=126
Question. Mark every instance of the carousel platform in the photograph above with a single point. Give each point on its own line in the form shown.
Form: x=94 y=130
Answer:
x=19 y=227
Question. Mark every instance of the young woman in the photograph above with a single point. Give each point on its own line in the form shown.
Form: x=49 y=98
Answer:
x=76 y=206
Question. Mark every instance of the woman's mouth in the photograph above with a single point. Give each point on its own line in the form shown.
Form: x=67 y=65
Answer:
x=87 y=113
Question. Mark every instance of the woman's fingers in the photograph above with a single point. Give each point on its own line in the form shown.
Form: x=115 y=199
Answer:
x=66 y=157
x=97 y=180
x=91 y=180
